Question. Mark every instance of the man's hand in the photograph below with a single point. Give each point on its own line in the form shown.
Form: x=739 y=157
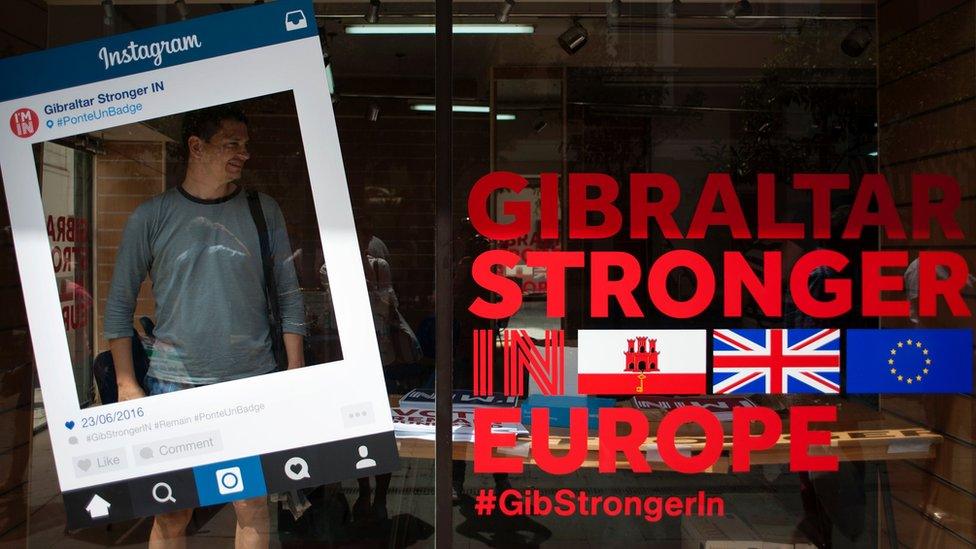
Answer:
x=125 y=376
x=130 y=391
x=295 y=350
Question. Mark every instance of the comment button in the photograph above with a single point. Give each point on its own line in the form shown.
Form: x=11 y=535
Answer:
x=177 y=448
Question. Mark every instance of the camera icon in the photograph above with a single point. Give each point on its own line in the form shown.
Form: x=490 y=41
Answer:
x=229 y=480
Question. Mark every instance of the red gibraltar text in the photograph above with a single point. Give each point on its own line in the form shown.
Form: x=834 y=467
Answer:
x=935 y=201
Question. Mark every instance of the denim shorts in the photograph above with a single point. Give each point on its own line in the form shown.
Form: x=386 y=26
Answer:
x=159 y=386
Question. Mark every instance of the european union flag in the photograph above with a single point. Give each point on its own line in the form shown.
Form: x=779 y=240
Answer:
x=909 y=361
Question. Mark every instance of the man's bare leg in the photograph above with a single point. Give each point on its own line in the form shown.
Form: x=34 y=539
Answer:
x=253 y=523
x=169 y=530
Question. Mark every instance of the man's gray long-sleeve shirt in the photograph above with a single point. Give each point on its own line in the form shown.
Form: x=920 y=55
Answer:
x=204 y=260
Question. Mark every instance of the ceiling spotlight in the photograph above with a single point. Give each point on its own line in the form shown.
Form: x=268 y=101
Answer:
x=742 y=7
x=613 y=10
x=109 y=9
x=856 y=41
x=574 y=38
x=672 y=9
x=504 y=11
x=373 y=113
x=182 y=9
x=373 y=14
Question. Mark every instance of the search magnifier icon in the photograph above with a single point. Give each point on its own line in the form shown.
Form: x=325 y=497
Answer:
x=163 y=492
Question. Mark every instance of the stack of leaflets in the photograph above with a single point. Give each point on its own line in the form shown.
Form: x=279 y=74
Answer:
x=415 y=417
x=462 y=400
x=721 y=406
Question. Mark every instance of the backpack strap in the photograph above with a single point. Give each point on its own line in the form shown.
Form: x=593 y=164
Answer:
x=270 y=285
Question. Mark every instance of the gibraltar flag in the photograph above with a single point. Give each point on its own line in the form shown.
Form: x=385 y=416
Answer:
x=642 y=362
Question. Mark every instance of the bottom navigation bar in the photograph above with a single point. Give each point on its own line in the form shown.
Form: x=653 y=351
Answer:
x=231 y=480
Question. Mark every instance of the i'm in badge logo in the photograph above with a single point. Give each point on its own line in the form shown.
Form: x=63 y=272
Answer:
x=24 y=122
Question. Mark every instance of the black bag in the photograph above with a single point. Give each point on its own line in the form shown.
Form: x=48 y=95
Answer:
x=407 y=346
x=103 y=369
x=324 y=522
x=270 y=285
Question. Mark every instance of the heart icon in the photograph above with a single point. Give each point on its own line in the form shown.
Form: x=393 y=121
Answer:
x=84 y=464
x=69 y=424
x=296 y=468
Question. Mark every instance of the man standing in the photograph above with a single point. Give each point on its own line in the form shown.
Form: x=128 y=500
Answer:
x=200 y=247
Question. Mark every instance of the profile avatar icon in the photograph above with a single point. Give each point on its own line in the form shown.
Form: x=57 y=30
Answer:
x=365 y=462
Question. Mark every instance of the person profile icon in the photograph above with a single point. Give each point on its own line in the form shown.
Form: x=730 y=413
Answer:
x=365 y=462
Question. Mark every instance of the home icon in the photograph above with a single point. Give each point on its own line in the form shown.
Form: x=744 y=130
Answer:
x=98 y=507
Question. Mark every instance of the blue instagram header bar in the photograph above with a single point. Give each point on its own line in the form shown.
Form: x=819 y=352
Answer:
x=157 y=47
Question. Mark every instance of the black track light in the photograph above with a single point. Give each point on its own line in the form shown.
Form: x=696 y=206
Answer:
x=109 y=8
x=673 y=8
x=504 y=11
x=373 y=13
x=574 y=38
x=856 y=41
x=182 y=9
x=323 y=41
x=742 y=7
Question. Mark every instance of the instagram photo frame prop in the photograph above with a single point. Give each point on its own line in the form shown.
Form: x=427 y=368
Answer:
x=233 y=440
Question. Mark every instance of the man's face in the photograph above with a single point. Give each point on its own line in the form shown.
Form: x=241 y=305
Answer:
x=222 y=156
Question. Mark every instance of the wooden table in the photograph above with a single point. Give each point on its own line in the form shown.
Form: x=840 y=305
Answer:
x=859 y=434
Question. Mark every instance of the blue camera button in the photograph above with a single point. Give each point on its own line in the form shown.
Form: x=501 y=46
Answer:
x=229 y=480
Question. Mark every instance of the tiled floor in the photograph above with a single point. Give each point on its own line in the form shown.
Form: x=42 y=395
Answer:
x=411 y=512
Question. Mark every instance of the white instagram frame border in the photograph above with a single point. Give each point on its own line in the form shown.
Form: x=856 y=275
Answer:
x=302 y=405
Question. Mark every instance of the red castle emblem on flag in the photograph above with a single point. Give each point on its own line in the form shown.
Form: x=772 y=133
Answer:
x=642 y=359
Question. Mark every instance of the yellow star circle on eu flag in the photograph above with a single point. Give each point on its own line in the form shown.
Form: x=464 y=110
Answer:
x=920 y=359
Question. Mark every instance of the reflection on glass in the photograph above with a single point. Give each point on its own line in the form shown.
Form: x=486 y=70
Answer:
x=66 y=196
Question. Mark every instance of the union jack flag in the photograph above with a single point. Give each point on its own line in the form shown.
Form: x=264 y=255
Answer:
x=776 y=361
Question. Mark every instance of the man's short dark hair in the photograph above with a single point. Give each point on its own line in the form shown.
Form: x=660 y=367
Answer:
x=204 y=123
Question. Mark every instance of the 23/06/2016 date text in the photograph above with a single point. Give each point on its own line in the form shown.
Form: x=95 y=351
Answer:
x=112 y=417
